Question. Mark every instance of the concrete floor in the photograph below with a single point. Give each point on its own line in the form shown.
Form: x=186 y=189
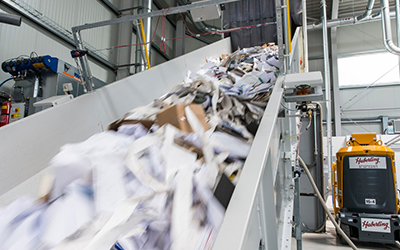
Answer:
x=327 y=241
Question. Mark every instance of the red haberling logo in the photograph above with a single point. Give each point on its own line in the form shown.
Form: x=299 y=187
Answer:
x=368 y=224
x=360 y=160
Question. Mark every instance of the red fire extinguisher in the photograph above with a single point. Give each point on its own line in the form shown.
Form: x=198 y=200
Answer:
x=5 y=113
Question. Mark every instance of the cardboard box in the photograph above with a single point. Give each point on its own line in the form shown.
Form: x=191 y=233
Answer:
x=116 y=124
x=175 y=115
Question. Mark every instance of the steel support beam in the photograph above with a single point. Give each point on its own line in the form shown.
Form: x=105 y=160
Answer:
x=305 y=35
x=180 y=43
x=279 y=35
x=147 y=23
x=111 y=7
x=174 y=10
x=139 y=50
x=286 y=36
x=124 y=37
x=77 y=36
x=335 y=73
x=327 y=80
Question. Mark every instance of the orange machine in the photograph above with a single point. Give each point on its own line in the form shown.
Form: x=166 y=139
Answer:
x=365 y=190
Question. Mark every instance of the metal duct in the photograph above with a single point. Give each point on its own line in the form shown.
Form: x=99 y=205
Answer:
x=368 y=12
x=198 y=25
x=386 y=28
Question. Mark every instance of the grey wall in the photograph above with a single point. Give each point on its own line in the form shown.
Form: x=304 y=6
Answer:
x=30 y=37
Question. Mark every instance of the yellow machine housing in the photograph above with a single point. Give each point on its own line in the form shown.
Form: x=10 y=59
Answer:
x=365 y=190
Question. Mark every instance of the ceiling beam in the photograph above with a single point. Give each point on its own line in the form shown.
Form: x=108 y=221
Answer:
x=111 y=7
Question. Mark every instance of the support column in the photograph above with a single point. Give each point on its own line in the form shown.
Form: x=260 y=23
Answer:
x=327 y=80
x=279 y=35
x=180 y=32
x=335 y=73
x=147 y=23
x=124 y=37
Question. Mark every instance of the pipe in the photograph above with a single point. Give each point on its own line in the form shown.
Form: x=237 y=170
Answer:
x=139 y=53
x=198 y=25
x=348 y=21
x=321 y=135
x=346 y=238
x=145 y=45
x=386 y=28
x=36 y=87
x=288 y=26
x=368 y=12
x=305 y=36
x=327 y=84
x=84 y=62
x=298 y=227
x=149 y=8
x=286 y=33
x=10 y=19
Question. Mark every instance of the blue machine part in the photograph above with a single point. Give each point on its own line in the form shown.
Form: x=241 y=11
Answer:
x=15 y=66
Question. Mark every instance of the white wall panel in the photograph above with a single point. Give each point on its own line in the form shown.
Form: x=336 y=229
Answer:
x=361 y=37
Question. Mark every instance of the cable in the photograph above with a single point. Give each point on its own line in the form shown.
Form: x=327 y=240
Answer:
x=1 y=84
x=287 y=107
x=356 y=123
x=33 y=52
x=346 y=238
x=351 y=99
x=164 y=39
x=184 y=22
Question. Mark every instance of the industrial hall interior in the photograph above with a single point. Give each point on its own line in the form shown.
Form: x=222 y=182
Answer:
x=199 y=125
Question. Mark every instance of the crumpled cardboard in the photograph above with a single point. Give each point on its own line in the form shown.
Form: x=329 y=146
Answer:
x=175 y=115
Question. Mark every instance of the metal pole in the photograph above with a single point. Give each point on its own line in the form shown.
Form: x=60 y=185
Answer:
x=286 y=29
x=386 y=28
x=335 y=73
x=368 y=12
x=279 y=35
x=10 y=19
x=305 y=36
x=84 y=62
x=140 y=53
x=348 y=21
x=327 y=83
x=398 y=26
x=148 y=28
x=297 y=216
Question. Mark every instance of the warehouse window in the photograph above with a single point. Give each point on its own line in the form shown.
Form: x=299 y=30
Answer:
x=365 y=69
